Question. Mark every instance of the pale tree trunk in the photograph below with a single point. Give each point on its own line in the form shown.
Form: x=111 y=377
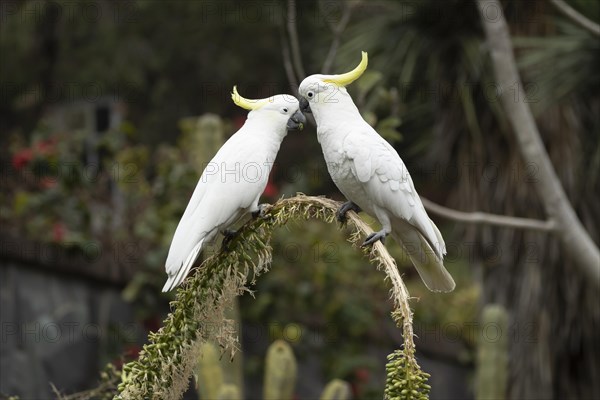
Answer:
x=574 y=238
x=548 y=281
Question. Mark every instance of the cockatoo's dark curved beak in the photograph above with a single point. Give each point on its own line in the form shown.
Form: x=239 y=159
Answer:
x=296 y=121
x=304 y=107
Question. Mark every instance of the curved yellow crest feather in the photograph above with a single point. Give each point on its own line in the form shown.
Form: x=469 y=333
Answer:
x=247 y=104
x=349 y=77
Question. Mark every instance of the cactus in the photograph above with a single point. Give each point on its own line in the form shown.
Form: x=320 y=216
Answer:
x=337 y=390
x=280 y=372
x=229 y=392
x=204 y=136
x=213 y=382
x=492 y=354
x=233 y=368
x=209 y=375
x=216 y=371
x=279 y=379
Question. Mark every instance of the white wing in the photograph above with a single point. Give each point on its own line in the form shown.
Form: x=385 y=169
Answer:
x=387 y=183
x=381 y=171
x=229 y=186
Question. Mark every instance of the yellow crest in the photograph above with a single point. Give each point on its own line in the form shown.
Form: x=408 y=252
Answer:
x=247 y=104
x=349 y=77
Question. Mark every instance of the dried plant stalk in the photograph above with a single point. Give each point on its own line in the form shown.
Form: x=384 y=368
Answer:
x=198 y=312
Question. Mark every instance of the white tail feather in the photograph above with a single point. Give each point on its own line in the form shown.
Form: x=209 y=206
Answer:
x=428 y=264
x=175 y=279
x=440 y=245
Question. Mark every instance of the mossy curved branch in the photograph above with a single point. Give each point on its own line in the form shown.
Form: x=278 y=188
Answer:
x=198 y=312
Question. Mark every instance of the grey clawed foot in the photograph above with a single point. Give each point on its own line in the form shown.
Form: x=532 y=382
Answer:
x=374 y=237
x=228 y=236
x=262 y=210
x=347 y=206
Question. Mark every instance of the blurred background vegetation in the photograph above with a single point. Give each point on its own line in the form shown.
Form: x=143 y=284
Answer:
x=109 y=110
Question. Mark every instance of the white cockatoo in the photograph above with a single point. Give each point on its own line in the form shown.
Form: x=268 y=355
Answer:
x=370 y=173
x=233 y=180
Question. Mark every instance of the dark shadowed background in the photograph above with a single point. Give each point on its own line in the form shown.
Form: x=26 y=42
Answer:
x=109 y=111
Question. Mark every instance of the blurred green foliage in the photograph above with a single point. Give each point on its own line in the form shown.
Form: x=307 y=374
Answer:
x=426 y=91
x=131 y=199
x=164 y=71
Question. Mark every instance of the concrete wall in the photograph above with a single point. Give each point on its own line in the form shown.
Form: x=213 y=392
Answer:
x=57 y=329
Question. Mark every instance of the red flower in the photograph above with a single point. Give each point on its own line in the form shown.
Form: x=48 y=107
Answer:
x=358 y=381
x=59 y=231
x=238 y=121
x=362 y=375
x=48 y=182
x=152 y=324
x=45 y=147
x=22 y=158
x=132 y=352
x=271 y=190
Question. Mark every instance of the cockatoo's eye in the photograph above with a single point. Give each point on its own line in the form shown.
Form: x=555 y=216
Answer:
x=310 y=95
x=284 y=110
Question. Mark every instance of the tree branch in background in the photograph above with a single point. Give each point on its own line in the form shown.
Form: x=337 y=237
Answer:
x=294 y=43
x=575 y=240
x=576 y=17
x=287 y=65
x=488 y=219
x=337 y=31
